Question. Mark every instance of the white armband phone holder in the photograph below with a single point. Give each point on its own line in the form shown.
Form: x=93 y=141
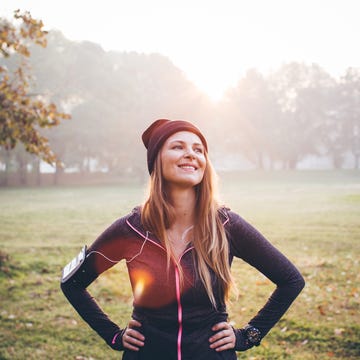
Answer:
x=74 y=265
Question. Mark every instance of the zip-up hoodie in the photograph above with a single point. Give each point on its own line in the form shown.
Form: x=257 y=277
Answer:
x=177 y=317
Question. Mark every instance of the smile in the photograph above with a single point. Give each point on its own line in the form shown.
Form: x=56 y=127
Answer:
x=188 y=167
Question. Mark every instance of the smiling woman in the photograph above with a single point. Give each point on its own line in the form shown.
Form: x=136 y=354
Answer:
x=183 y=160
x=178 y=247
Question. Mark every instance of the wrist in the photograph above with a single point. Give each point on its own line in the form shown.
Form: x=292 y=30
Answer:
x=116 y=342
x=252 y=336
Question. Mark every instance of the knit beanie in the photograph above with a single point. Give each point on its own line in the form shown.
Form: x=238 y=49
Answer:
x=157 y=133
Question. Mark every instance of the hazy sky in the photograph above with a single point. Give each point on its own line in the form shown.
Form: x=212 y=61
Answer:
x=213 y=41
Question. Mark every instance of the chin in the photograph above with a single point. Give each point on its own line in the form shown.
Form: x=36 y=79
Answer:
x=189 y=183
x=184 y=183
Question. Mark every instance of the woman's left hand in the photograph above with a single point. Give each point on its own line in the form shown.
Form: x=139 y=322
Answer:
x=224 y=339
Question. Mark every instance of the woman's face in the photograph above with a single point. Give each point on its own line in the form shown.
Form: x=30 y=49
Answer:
x=183 y=159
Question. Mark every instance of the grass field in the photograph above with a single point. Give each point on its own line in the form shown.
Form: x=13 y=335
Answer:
x=313 y=217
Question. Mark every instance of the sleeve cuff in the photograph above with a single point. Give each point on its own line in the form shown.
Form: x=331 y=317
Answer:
x=116 y=342
x=241 y=344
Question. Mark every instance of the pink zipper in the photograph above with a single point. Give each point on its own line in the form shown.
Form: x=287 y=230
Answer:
x=180 y=311
x=178 y=298
x=115 y=337
x=177 y=286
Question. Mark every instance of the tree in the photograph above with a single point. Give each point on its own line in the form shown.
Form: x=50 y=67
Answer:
x=303 y=95
x=350 y=111
x=23 y=114
x=111 y=95
x=253 y=115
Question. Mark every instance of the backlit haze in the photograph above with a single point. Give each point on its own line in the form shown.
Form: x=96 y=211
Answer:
x=213 y=42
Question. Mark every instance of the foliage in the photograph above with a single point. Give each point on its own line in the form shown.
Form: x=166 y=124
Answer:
x=21 y=113
x=296 y=111
x=350 y=109
x=111 y=95
x=274 y=121
x=252 y=110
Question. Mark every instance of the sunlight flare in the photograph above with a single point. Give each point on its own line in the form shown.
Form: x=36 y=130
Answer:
x=141 y=280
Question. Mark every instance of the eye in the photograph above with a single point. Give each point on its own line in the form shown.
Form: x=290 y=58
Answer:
x=199 y=150
x=177 y=146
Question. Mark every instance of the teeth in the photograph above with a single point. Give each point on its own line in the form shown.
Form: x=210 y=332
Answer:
x=187 y=167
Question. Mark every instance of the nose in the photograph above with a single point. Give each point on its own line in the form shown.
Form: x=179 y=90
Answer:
x=190 y=153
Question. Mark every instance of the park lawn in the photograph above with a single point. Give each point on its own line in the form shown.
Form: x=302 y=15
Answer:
x=313 y=217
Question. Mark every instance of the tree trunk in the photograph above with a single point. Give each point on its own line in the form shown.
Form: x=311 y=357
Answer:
x=5 y=181
x=337 y=161
x=292 y=163
x=260 y=160
x=22 y=169
x=357 y=162
x=37 y=171
x=57 y=174
x=271 y=164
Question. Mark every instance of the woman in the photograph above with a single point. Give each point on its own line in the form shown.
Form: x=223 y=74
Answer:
x=178 y=248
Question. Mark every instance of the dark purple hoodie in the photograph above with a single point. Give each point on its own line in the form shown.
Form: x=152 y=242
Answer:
x=177 y=318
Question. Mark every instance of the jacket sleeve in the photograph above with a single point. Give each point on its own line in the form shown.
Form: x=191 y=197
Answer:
x=248 y=244
x=108 y=246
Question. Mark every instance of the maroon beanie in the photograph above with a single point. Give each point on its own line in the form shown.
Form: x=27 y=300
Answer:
x=157 y=133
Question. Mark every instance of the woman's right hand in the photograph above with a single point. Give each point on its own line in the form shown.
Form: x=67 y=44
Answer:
x=133 y=339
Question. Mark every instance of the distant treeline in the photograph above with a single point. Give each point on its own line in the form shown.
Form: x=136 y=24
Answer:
x=272 y=121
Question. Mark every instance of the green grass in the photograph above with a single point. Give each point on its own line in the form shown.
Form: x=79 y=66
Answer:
x=313 y=217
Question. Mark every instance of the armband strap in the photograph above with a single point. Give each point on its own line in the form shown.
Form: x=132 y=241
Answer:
x=74 y=266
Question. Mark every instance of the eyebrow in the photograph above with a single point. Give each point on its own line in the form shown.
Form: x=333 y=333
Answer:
x=183 y=142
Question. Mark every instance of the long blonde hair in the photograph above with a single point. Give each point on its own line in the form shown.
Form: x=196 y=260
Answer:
x=210 y=242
